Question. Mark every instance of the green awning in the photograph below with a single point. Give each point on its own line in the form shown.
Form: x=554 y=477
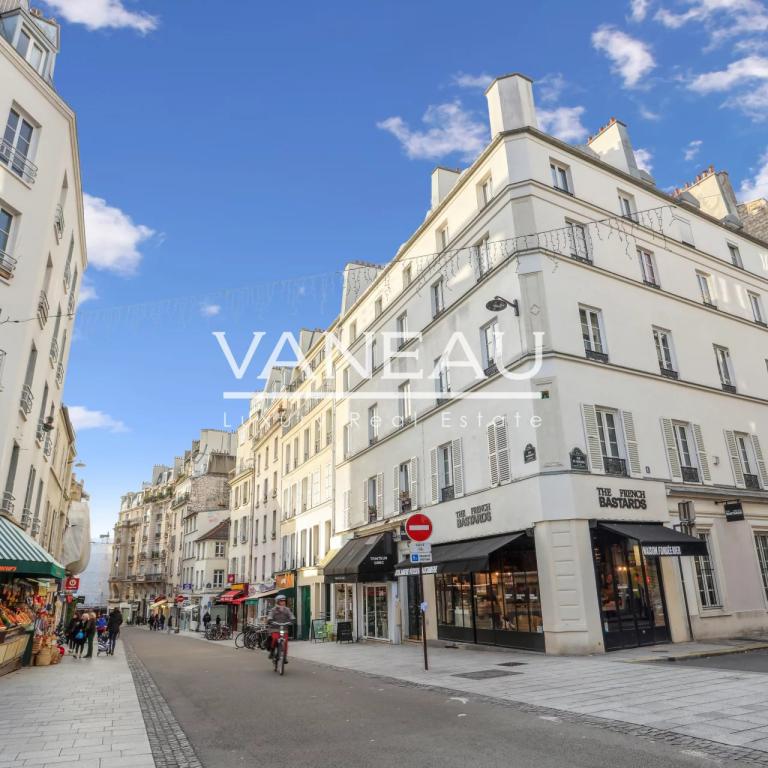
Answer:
x=21 y=555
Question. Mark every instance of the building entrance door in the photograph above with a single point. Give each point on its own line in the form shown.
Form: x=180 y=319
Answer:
x=414 y=608
x=631 y=592
x=375 y=609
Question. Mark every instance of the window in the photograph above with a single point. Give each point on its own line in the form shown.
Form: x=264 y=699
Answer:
x=404 y=402
x=705 y=286
x=488 y=343
x=378 y=307
x=373 y=354
x=438 y=299
x=611 y=441
x=761 y=544
x=688 y=457
x=345 y=387
x=663 y=341
x=485 y=191
x=442 y=238
x=347 y=440
x=757 y=308
x=401 y=327
x=220 y=549
x=724 y=368
x=373 y=424
x=287 y=453
x=445 y=471
x=16 y=146
x=559 y=176
x=648 y=268
x=372 y=486
x=7 y=262
x=483 y=255
x=404 y=503
x=577 y=240
x=735 y=255
x=30 y=50
x=627 y=206
x=748 y=460
x=407 y=276
x=592 y=334
x=443 y=379
x=706 y=581
x=352 y=331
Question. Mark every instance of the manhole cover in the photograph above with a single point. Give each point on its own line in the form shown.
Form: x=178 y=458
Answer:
x=484 y=674
x=511 y=664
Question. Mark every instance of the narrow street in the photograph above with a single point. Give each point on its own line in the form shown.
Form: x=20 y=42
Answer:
x=235 y=711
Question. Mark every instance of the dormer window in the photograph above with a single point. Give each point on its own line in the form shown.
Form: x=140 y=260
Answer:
x=31 y=50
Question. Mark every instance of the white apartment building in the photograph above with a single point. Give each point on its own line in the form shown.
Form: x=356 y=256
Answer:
x=210 y=569
x=42 y=257
x=616 y=494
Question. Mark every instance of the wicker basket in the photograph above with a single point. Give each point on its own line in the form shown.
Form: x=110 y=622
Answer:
x=43 y=658
x=55 y=656
x=37 y=644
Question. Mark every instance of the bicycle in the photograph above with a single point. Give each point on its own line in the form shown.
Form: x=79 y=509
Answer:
x=221 y=632
x=251 y=637
x=279 y=649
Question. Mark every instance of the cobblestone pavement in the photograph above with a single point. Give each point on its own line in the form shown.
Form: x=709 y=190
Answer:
x=81 y=712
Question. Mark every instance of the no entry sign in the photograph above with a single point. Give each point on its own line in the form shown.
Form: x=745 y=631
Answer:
x=418 y=527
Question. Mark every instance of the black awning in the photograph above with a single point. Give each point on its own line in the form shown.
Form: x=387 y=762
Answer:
x=656 y=540
x=463 y=556
x=369 y=558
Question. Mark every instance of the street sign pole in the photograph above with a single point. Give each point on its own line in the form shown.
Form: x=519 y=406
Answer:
x=423 y=608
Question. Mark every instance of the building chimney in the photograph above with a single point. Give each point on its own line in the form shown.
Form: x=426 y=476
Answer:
x=754 y=216
x=716 y=197
x=443 y=180
x=613 y=146
x=510 y=103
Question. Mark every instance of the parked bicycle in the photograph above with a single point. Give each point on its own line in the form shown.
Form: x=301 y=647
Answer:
x=220 y=632
x=252 y=637
x=280 y=646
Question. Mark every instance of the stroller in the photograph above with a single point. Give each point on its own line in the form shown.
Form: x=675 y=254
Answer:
x=103 y=643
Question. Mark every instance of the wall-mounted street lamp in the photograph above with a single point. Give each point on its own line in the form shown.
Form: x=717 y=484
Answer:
x=497 y=304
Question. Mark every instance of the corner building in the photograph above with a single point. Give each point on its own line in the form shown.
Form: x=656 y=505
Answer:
x=614 y=496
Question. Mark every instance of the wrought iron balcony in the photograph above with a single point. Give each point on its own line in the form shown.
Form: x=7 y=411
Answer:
x=615 y=466
x=26 y=517
x=43 y=309
x=690 y=474
x=729 y=388
x=651 y=283
x=447 y=493
x=17 y=162
x=53 y=354
x=26 y=400
x=7 y=264
x=47 y=446
x=71 y=304
x=59 y=373
x=67 y=278
x=592 y=354
x=405 y=503
x=35 y=526
x=373 y=513
x=669 y=373
x=58 y=223
x=752 y=482
x=492 y=369
x=7 y=503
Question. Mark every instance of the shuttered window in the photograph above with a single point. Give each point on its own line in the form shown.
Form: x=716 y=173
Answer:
x=498 y=451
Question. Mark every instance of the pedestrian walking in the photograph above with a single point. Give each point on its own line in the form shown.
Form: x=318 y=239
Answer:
x=170 y=624
x=206 y=620
x=79 y=638
x=71 y=629
x=162 y=622
x=90 y=633
x=113 y=628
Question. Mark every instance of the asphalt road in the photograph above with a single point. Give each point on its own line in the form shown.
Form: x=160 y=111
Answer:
x=752 y=661
x=237 y=712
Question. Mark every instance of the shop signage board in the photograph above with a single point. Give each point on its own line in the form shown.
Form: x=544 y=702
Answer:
x=72 y=583
x=344 y=632
x=578 y=460
x=180 y=599
x=417 y=557
x=529 y=454
x=284 y=580
x=733 y=511
x=418 y=527
x=623 y=498
x=416 y=571
x=230 y=578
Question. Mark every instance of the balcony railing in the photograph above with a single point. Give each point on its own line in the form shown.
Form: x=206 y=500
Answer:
x=405 y=503
x=615 y=466
x=58 y=223
x=59 y=373
x=53 y=354
x=7 y=264
x=35 y=526
x=690 y=474
x=67 y=278
x=26 y=517
x=71 y=304
x=447 y=493
x=492 y=369
x=593 y=354
x=7 y=503
x=373 y=514
x=729 y=388
x=18 y=164
x=43 y=309
x=39 y=432
x=47 y=446
x=26 y=400
x=752 y=482
x=669 y=373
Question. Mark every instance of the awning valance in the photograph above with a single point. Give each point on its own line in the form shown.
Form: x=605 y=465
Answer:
x=230 y=596
x=21 y=555
x=656 y=540
x=463 y=556
x=254 y=599
x=369 y=558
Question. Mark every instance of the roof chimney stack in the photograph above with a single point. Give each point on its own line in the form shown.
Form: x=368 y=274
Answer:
x=510 y=103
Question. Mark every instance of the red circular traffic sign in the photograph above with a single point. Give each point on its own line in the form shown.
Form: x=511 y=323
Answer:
x=418 y=527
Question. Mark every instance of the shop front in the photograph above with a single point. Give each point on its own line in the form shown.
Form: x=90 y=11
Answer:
x=232 y=601
x=363 y=590
x=628 y=573
x=487 y=591
x=28 y=578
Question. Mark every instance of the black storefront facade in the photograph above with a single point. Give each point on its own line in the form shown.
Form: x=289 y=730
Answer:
x=628 y=576
x=487 y=591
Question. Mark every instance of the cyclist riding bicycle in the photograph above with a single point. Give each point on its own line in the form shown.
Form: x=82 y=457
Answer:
x=280 y=614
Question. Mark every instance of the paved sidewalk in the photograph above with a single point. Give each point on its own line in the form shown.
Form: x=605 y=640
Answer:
x=81 y=712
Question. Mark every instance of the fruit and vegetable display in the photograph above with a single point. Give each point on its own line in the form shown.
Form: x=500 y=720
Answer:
x=20 y=615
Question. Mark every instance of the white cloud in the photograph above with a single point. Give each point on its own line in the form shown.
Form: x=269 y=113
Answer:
x=632 y=58
x=464 y=80
x=448 y=130
x=736 y=73
x=692 y=150
x=84 y=418
x=550 y=87
x=648 y=114
x=210 y=310
x=563 y=122
x=644 y=159
x=723 y=19
x=757 y=186
x=103 y=14
x=87 y=292
x=753 y=103
x=113 y=239
x=639 y=9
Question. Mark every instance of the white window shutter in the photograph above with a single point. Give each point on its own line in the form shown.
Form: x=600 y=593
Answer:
x=633 y=454
x=733 y=452
x=706 y=476
x=493 y=463
x=365 y=501
x=380 y=495
x=347 y=509
x=668 y=432
x=414 y=483
x=433 y=467
x=502 y=450
x=589 y=418
x=396 y=490
x=761 y=468
x=458 y=468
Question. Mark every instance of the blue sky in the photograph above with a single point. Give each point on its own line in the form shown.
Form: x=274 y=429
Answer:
x=230 y=150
